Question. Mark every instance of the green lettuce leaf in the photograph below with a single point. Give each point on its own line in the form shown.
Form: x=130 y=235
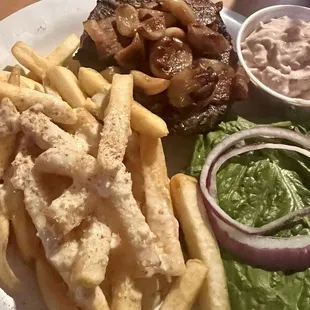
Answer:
x=256 y=188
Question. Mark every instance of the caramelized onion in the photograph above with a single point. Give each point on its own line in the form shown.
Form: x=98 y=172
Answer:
x=149 y=85
x=175 y=32
x=205 y=40
x=169 y=56
x=144 y=14
x=180 y=10
x=127 y=20
x=152 y=28
x=131 y=55
x=170 y=20
x=192 y=86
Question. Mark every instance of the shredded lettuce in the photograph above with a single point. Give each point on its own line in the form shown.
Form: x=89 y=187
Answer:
x=256 y=188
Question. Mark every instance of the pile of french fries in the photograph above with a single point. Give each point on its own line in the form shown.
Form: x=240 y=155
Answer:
x=86 y=190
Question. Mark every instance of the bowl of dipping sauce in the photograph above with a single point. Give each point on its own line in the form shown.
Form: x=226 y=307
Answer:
x=273 y=46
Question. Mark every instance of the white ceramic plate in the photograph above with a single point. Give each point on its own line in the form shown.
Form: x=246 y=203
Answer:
x=43 y=25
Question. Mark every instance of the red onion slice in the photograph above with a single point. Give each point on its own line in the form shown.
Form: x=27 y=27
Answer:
x=269 y=253
x=228 y=143
x=278 y=223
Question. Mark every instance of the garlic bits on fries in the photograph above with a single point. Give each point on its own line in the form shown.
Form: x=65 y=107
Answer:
x=85 y=187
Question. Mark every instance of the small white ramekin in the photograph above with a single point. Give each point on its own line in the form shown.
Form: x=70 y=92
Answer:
x=251 y=23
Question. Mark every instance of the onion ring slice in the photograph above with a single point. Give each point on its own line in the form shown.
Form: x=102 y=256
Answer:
x=269 y=253
x=280 y=222
x=227 y=143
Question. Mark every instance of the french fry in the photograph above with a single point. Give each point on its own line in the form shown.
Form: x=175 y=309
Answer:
x=135 y=230
x=93 y=299
x=64 y=50
x=48 y=89
x=46 y=134
x=29 y=58
x=30 y=181
x=9 y=118
x=24 y=98
x=31 y=76
x=142 y=120
x=92 y=259
x=93 y=108
x=7 y=145
x=97 y=104
x=69 y=163
x=24 y=81
x=186 y=288
x=154 y=291
x=52 y=287
x=93 y=82
x=25 y=233
x=13 y=200
x=88 y=128
x=7 y=276
x=73 y=65
x=69 y=210
x=201 y=243
x=158 y=205
x=67 y=85
x=58 y=56
x=82 y=167
x=132 y=161
x=125 y=293
x=146 y=122
x=116 y=129
x=14 y=77
x=106 y=288
x=9 y=126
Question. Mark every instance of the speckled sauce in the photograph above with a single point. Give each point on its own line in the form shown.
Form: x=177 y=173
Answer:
x=278 y=54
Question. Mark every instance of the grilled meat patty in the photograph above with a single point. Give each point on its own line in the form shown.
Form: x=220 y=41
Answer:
x=206 y=79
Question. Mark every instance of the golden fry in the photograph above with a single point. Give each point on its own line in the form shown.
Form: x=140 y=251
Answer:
x=24 y=98
x=186 y=287
x=48 y=89
x=46 y=134
x=9 y=127
x=93 y=82
x=24 y=81
x=147 y=123
x=14 y=77
x=116 y=129
x=26 y=235
x=88 y=128
x=191 y=213
x=158 y=206
x=125 y=293
x=69 y=210
x=64 y=50
x=154 y=291
x=67 y=85
x=54 y=291
x=7 y=146
x=7 y=276
x=92 y=259
x=29 y=58
x=132 y=161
